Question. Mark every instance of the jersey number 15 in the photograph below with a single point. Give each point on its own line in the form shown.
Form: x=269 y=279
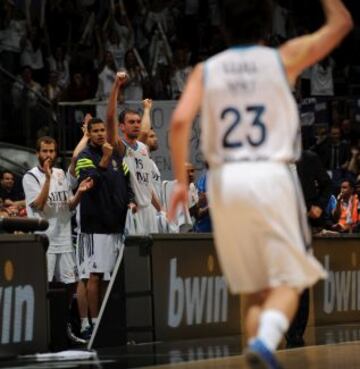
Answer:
x=257 y=124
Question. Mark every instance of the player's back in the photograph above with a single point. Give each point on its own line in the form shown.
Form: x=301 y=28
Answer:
x=248 y=111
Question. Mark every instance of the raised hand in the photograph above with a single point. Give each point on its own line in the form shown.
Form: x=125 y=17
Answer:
x=107 y=149
x=147 y=104
x=86 y=184
x=121 y=78
x=47 y=167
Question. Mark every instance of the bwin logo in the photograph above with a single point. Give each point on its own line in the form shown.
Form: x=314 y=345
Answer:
x=204 y=299
x=16 y=304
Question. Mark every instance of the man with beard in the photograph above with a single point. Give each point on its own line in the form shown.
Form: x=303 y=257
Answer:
x=102 y=210
x=48 y=196
x=136 y=157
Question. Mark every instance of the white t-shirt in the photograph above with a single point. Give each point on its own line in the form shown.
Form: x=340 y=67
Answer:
x=56 y=210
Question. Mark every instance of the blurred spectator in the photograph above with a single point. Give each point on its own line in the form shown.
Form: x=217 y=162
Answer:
x=78 y=90
x=134 y=86
x=182 y=69
x=32 y=53
x=52 y=90
x=346 y=211
x=9 y=192
x=322 y=83
x=106 y=77
x=334 y=154
x=59 y=63
x=316 y=185
x=203 y=219
x=13 y=29
x=25 y=90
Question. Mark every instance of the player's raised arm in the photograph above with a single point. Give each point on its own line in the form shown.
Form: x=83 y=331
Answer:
x=180 y=128
x=302 y=52
x=145 y=121
x=111 y=120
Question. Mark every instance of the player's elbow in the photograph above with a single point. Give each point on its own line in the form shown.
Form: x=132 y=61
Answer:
x=178 y=122
x=345 y=23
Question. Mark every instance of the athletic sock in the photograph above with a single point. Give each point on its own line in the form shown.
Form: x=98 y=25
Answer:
x=94 y=321
x=272 y=327
x=84 y=323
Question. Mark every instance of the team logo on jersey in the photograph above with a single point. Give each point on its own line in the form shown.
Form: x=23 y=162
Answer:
x=60 y=179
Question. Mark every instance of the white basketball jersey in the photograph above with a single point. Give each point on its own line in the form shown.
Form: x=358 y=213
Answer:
x=248 y=111
x=140 y=166
x=156 y=178
x=56 y=210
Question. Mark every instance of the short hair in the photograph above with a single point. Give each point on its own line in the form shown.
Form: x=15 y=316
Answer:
x=247 y=21
x=122 y=115
x=47 y=140
x=6 y=171
x=93 y=121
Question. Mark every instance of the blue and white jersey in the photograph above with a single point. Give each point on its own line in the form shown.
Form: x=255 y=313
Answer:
x=248 y=111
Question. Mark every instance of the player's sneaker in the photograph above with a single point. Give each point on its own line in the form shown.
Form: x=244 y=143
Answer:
x=74 y=340
x=258 y=356
x=86 y=333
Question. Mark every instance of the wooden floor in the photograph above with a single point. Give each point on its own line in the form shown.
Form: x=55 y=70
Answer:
x=336 y=356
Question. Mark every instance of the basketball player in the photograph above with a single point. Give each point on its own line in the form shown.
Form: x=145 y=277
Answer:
x=250 y=129
x=136 y=157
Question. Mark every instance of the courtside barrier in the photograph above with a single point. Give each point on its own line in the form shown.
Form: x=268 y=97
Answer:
x=24 y=327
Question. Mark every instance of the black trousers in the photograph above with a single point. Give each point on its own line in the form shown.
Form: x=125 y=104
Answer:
x=294 y=336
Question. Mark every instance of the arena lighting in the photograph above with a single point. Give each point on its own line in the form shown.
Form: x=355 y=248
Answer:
x=22 y=224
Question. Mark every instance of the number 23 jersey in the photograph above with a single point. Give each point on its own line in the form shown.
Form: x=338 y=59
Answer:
x=248 y=111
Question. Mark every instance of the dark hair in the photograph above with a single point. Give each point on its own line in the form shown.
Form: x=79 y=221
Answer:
x=93 y=121
x=46 y=140
x=8 y=172
x=247 y=21
x=122 y=115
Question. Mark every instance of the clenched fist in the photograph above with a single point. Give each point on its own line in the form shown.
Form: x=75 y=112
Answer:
x=107 y=149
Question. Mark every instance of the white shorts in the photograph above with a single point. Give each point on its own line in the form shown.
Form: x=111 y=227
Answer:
x=97 y=253
x=82 y=258
x=62 y=267
x=142 y=223
x=258 y=216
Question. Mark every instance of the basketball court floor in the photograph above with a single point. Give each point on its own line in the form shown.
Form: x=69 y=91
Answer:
x=333 y=347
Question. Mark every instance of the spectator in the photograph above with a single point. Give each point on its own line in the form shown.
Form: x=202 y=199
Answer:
x=334 y=154
x=182 y=69
x=203 y=218
x=25 y=91
x=102 y=210
x=78 y=90
x=59 y=63
x=52 y=90
x=133 y=89
x=32 y=54
x=14 y=31
x=322 y=83
x=11 y=194
x=346 y=211
x=316 y=186
x=106 y=77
